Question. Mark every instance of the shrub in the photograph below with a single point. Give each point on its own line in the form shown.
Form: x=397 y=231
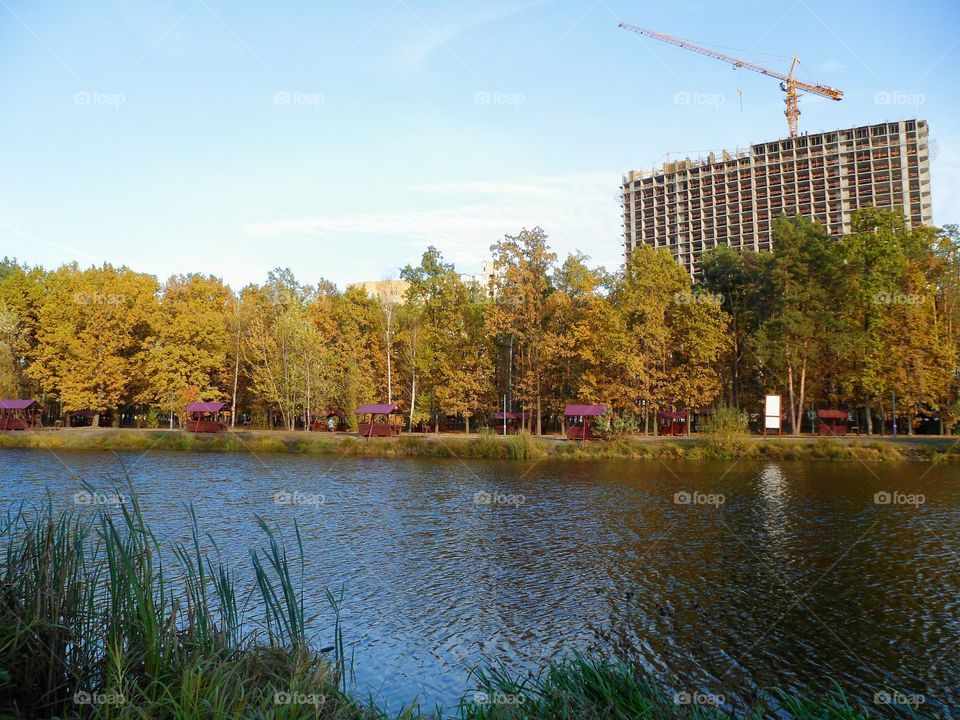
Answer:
x=727 y=421
x=523 y=447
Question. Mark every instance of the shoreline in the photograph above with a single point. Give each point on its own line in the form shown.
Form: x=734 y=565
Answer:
x=487 y=446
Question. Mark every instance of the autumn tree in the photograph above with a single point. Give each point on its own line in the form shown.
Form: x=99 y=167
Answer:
x=791 y=343
x=90 y=332
x=185 y=357
x=523 y=265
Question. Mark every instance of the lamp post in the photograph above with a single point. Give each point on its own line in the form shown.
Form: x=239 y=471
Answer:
x=894 y=413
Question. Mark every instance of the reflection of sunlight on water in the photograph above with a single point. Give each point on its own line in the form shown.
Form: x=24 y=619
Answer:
x=773 y=494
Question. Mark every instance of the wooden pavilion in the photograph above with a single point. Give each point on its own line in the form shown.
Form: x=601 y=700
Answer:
x=672 y=423
x=832 y=422
x=514 y=421
x=329 y=421
x=205 y=417
x=80 y=418
x=373 y=427
x=19 y=414
x=579 y=420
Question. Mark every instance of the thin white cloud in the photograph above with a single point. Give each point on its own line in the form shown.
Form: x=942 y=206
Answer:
x=438 y=33
x=46 y=243
x=579 y=212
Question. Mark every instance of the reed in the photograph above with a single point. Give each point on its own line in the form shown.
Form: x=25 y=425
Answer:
x=93 y=625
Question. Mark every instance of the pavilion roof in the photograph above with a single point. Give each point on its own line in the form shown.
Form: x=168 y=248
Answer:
x=376 y=409
x=16 y=404
x=584 y=410
x=202 y=407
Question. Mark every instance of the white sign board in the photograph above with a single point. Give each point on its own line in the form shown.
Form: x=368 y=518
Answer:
x=772 y=412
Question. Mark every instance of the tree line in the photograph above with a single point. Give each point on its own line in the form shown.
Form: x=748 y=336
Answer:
x=825 y=322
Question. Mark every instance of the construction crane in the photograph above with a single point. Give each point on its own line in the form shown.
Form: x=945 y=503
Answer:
x=788 y=83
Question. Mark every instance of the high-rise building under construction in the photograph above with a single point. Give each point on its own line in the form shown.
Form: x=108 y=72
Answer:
x=690 y=206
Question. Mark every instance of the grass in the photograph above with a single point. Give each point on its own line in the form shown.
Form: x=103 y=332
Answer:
x=723 y=445
x=88 y=612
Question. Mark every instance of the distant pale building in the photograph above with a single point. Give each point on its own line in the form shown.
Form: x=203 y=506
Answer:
x=385 y=290
x=691 y=206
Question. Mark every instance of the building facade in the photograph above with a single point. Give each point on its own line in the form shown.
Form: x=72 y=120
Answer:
x=389 y=291
x=691 y=206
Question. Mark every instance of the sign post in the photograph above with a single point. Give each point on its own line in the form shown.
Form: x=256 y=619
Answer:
x=771 y=414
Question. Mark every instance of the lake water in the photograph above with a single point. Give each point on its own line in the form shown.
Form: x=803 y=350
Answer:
x=799 y=576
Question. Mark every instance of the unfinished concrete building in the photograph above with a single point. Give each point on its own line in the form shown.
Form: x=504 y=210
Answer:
x=690 y=206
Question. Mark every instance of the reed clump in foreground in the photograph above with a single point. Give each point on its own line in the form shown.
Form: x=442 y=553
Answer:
x=92 y=625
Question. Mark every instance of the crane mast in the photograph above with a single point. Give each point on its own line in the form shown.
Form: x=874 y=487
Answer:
x=788 y=82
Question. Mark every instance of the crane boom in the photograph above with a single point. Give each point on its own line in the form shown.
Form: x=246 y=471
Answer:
x=788 y=83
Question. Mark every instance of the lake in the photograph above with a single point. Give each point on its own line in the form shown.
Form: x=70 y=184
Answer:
x=725 y=577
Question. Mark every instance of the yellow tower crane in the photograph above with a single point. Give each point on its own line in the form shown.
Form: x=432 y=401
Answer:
x=788 y=83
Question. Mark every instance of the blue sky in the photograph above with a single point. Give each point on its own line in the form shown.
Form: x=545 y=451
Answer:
x=231 y=137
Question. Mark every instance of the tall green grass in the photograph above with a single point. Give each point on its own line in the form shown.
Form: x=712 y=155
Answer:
x=87 y=610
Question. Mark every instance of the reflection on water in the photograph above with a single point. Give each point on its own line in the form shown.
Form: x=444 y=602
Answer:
x=797 y=580
x=773 y=495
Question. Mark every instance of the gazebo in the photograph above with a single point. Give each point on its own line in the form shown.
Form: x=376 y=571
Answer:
x=512 y=424
x=579 y=425
x=330 y=421
x=832 y=422
x=673 y=423
x=18 y=414
x=373 y=428
x=205 y=417
x=80 y=418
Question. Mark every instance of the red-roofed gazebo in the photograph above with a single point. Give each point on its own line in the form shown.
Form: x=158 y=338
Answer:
x=330 y=421
x=832 y=422
x=205 y=417
x=373 y=428
x=672 y=422
x=18 y=414
x=578 y=420
x=512 y=424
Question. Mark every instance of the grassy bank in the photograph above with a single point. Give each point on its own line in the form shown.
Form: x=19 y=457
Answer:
x=93 y=626
x=518 y=447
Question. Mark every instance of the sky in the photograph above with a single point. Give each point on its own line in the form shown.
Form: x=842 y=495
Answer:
x=230 y=137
